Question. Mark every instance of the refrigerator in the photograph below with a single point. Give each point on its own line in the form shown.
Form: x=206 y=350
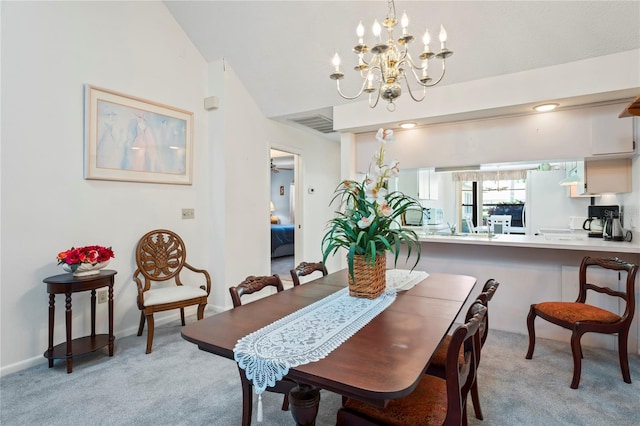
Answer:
x=548 y=204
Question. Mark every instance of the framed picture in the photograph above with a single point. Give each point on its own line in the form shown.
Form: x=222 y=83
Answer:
x=136 y=140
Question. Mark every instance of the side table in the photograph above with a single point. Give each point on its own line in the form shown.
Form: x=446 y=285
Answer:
x=67 y=284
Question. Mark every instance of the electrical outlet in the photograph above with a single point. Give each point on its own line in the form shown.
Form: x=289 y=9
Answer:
x=188 y=213
x=102 y=296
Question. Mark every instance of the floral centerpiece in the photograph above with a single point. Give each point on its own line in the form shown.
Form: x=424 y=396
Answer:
x=368 y=224
x=86 y=260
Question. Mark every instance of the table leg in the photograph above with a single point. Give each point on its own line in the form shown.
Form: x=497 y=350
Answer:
x=247 y=398
x=111 y=338
x=304 y=401
x=52 y=316
x=69 y=340
x=93 y=313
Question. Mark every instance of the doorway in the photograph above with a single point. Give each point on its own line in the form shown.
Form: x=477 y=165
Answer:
x=283 y=206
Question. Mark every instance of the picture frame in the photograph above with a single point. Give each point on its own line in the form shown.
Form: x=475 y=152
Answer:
x=136 y=140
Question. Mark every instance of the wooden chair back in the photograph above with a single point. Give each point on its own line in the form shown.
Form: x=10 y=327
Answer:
x=253 y=284
x=306 y=268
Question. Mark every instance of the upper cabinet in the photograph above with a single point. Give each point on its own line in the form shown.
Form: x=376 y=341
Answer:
x=606 y=176
x=611 y=135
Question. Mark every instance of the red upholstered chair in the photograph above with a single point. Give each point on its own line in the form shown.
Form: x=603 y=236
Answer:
x=437 y=366
x=581 y=318
x=434 y=401
x=306 y=268
x=160 y=257
x=253 y=284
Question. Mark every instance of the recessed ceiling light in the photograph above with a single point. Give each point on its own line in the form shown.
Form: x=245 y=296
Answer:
x=545 y=107
x=407 y=125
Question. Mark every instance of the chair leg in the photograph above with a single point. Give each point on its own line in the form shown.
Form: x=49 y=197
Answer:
x=182 y=316
x=149 y=332
x=624 y=356
x=576 y=350
x=285 y=403
x=476 y=401
x=201 y=311
x=532 y=331
x=141 y=327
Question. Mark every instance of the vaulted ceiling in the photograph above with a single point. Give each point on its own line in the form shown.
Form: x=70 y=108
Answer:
x=281 y=50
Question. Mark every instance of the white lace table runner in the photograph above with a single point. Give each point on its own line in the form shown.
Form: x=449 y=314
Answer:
x=312 y=332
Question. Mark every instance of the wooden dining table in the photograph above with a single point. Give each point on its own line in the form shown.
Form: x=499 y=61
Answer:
x=384 y=360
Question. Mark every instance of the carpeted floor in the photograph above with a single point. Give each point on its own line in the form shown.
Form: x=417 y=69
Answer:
x=178 y=384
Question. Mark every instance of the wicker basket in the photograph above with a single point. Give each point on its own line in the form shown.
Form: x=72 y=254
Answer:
x=368 y=281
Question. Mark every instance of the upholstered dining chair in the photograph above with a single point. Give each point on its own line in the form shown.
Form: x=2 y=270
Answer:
x=434 y=401
x=581 y=318
x=306 y=268
x=437 y=366
x=161 y=257
x=250 y=285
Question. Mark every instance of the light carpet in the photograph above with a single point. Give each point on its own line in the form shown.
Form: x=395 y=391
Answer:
x=177 y=384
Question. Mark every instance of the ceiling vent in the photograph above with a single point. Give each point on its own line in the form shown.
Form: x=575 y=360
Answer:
x=319 y=123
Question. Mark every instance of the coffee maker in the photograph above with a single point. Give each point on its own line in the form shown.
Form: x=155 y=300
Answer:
x=596 y=219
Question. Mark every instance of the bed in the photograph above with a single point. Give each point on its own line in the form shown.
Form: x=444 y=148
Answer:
x=282 y=240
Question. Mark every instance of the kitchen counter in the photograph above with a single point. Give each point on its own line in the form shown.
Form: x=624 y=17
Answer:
x=578 y=242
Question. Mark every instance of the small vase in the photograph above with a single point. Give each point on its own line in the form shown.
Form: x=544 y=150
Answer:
x=368 y=280
x=86 y=269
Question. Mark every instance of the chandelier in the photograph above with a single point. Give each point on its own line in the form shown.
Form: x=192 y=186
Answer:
x=387 y=66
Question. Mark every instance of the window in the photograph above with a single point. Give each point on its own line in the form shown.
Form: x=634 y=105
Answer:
x=483 y=198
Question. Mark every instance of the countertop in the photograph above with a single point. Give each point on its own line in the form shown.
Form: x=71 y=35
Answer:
x=556 y=242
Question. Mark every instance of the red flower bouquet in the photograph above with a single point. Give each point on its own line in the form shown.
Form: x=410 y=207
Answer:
x=90 y=255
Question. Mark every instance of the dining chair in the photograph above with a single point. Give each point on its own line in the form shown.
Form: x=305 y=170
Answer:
x=499 y=224
x=434 y=401
x=471 y=229
x=160 y=257
x=250 y=285
x=581 y=318
x=307 y=268
x=437 y=366
x=253 y=284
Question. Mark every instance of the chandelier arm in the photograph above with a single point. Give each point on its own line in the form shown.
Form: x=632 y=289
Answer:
x=350 y=97
x=424 y=91
x=408 y=59
x=377 y=99
x=415 y=75
x=441 y=75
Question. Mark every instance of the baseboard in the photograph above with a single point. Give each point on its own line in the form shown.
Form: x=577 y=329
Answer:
x=158 y=320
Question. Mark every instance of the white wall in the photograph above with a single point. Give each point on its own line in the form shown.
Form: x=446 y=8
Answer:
x=320 y=163
x=50 y=50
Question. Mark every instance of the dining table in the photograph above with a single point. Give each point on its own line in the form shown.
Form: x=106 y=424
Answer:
x=383 y=360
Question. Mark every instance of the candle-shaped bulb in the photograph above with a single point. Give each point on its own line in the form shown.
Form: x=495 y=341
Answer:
x=443 y=37
x=360 y=32
x=404 y=21
x=377 y=29
x=426 y=39
x=336 y=62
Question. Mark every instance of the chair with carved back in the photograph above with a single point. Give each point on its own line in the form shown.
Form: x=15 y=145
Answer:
x=160 y=258
x=434 y=401
x=307 y=268
x=253 y=284
x=499 y=224
x=581 y=317
x=437 y=366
